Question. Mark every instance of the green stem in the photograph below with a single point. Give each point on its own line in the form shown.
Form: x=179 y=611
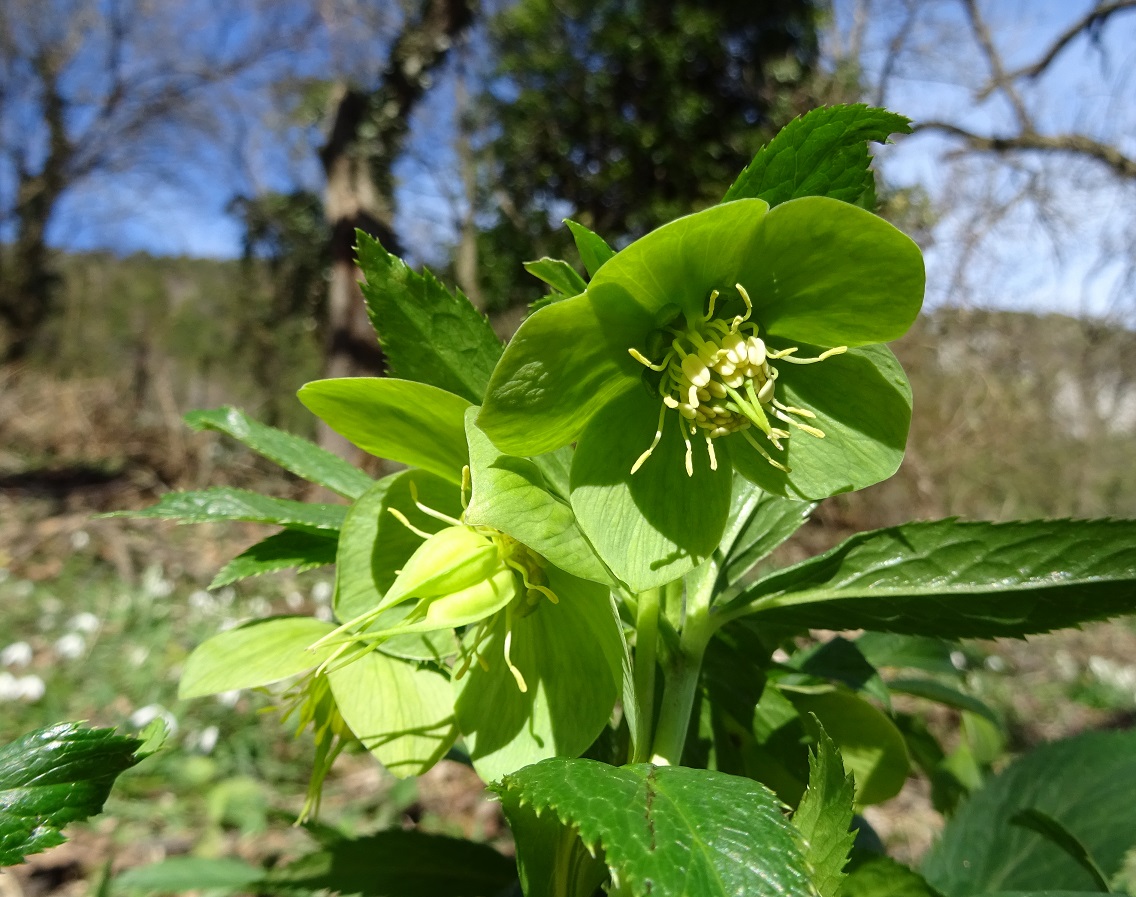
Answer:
x=646 y=649
x=681 y=674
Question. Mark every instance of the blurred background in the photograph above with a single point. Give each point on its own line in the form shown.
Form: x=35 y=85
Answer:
x=180 y=181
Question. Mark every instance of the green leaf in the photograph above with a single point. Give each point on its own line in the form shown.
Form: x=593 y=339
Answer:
x=873 y=749
x=933 y=690
x=225 y=875
x=428 y=334
x=402 y=714
x=570 y=655
x=300 y=549
x=652 y=526
x=593 y=249
x=300 y=456
x=412 y=423
x=958 y=580
x=224 y=503
x=822 y=153
x=511 y=495
x=255 y=654
x=881 y=876
x=668 y=830
x=824 y=817
x=398 y=863
x=54 y=776
x=1084 y=783
x=559 y=275
x=1053 y=831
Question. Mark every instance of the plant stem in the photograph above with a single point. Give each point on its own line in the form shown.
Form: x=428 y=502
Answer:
x=682 y=672
x=646 y=649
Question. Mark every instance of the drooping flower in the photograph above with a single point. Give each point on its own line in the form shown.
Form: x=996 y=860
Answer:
x=738 y=338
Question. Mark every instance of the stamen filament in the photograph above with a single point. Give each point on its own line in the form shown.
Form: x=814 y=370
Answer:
x=748 y=438
x=654 y=442
x=401 y=518
x=508 y=646
x=428 y=511
x=646 y=362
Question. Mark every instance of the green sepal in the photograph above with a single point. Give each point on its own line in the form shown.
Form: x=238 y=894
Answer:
x=412 y=423
x=374 y=544
x=862 y=403
x=655 y=525
x=402 y=714
x=512 y=495
x=828 y=273
x=551 y=378
x=570 y=655
x=258 y=653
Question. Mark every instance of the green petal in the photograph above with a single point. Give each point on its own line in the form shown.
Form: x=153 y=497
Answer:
x=402 y=714
x=652 y=526
x=681 y=262
x=511 y=495
x=570 y=655
x=829 y=273
x=862 y=403
x=412 y=423
x=564 y=363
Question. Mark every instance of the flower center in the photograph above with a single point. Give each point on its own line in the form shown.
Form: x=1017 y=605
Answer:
x=717 y=376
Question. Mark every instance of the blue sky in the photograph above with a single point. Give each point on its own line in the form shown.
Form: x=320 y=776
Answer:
x=1027 y=259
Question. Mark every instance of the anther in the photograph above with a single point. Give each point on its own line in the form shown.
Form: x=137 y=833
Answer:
x=654 y=442
x=646 y=362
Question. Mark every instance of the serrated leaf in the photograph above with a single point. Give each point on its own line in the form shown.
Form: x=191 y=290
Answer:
x=668 y=830
x=824 y=817
x=258 y=653
x=224 y=503
x=225 y=875
x=413 y=423
x=1085 y=783
x=558 y=274
x=887 y=649
x=821 y=153
x=427 y=333
x=54 y=776
x=291 y=548
x=958 y=580
x=593 y=249
x=398 y=863
x=300 y=456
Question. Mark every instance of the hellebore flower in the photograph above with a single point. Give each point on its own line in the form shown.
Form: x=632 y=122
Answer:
x=738 y=338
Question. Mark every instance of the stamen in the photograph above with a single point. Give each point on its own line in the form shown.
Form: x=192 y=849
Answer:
x=654 y=442
x=401 y=518
x=646 y=362
x=748 y=438
x=689 y=451
x=713 y=299
x=508 y=646
x=785 y=355
x=428 y=511
x=710 y=452
x=803 y=412
x=812 y=431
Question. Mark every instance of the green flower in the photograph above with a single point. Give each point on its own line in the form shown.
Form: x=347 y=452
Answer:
x=739 y=338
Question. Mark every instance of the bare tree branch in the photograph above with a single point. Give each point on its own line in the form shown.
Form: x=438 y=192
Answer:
x=1094 y=18
x=1108 y=155
x=994 y=60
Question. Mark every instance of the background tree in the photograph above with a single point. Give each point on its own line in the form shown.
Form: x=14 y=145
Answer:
x=625 y=114
x=92 y=88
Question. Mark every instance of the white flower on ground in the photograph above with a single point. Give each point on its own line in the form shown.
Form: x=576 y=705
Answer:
x=85 y=622
x=71 y=646
x=17 y=654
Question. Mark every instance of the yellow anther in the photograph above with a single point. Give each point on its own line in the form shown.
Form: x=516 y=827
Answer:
x=755 y=350
x=646 y=362
x=654 y=442
x=765 y=394
x=696 y=370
